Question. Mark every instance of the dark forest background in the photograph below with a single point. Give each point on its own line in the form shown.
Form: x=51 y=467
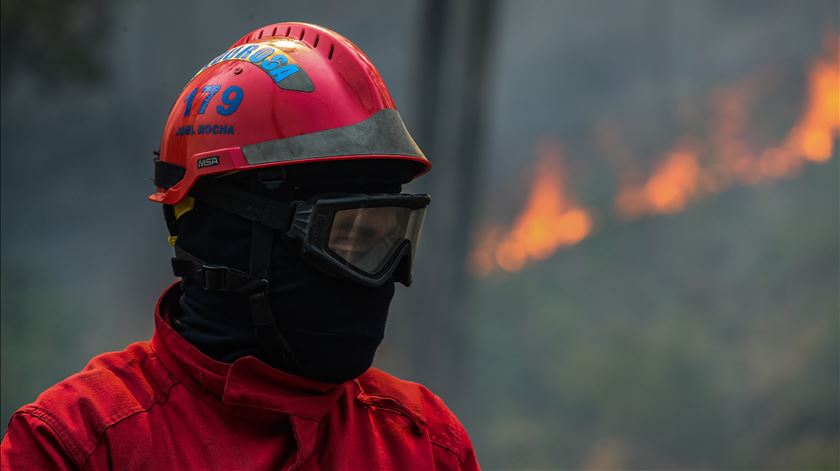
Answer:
x=704 y=339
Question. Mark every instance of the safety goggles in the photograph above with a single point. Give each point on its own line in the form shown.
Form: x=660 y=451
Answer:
x=364 y=238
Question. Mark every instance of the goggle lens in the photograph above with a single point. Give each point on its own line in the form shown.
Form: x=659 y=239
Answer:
x=367 y=237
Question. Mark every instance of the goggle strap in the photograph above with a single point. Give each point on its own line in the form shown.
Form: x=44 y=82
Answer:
x=270 y=213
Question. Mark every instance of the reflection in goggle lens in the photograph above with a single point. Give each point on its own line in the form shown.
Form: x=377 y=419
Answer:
x=366 y=237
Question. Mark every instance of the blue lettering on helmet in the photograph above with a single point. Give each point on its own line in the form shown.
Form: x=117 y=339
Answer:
x=281 y=73
x=214 y=61
x=230 y=53
x=261 y=54
x=204 y=129
x=184 y=131
x=245 y=51
x=268 y=55
x=278 y=59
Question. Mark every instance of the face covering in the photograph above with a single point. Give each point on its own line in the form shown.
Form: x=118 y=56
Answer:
x=333 y=326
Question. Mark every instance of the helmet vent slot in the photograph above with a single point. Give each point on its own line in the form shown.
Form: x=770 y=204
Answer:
x=274 y=31
x=332 y=49
x=317 y=38
x=288 y=31
x=302 y=34
x=259 y=36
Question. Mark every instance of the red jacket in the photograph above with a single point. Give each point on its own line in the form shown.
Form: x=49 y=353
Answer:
x=165 y=405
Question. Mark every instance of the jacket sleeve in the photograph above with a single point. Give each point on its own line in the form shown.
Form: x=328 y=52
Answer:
x=468 y=459
x=31 y=444
x=448 y=457
x=452 y=446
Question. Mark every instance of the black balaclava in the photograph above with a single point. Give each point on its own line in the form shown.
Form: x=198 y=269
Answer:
x=332 y=325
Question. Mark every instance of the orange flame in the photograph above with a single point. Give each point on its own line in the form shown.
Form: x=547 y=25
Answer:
x=549 y=221
x=668 y=190
x=680 y=177
x=813 y=136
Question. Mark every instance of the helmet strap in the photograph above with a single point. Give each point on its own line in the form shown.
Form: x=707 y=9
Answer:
x=267 y=333
x=254 y=285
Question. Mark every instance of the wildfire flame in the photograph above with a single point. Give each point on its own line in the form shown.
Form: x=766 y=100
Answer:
x=668 y=190
x=691 y=168
x=550 y=220
x=680 y=177
x=813 y=136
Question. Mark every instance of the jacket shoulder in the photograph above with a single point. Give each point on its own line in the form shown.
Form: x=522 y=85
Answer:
x=445 y=430
x=112 y=387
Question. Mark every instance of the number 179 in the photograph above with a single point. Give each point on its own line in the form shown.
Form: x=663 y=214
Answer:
x=231 y=97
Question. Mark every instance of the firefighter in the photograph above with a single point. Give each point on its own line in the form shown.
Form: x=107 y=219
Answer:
x=280 y=174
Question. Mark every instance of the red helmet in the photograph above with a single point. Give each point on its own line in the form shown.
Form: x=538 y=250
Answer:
x=284 y=94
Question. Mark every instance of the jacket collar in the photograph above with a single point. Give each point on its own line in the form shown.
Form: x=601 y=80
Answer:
x=247 y=382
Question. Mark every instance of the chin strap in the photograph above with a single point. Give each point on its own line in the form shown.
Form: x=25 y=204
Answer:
x=265 y=326
x=266 y=216
x=254 y=287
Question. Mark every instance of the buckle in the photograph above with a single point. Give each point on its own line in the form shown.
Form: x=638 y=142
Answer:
x=254 y=288
x=217 y=277
x=212 y=278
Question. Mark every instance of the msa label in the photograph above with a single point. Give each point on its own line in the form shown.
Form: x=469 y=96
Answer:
x=211 y=161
